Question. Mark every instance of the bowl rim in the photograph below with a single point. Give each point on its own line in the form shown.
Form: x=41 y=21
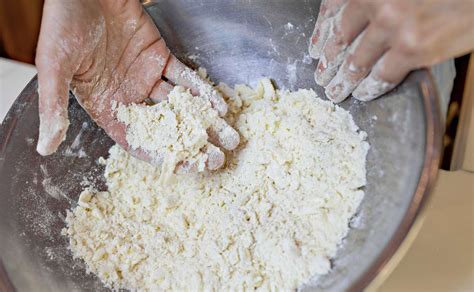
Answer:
x=433 y=149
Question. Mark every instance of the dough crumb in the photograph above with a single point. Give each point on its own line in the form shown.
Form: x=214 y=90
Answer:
x=171 y=131
x=270 y=220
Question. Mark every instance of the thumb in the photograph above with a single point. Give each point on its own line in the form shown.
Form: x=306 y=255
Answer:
x=53 y=102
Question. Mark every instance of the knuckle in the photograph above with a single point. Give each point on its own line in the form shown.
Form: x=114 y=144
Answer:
x=393 y=72
x=411 y=42
x=354 y=66
x=383 y=74
x=389 y=13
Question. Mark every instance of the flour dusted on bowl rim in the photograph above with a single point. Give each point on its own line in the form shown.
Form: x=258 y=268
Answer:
x=272 y=218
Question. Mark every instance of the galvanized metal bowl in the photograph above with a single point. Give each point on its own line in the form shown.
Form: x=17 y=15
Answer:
x=238 y=41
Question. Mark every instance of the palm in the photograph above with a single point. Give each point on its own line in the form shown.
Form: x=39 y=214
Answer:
x=127 y=61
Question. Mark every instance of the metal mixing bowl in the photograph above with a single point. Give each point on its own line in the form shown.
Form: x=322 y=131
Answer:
x=238 y=41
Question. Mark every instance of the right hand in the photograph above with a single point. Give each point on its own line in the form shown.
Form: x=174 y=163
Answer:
x=367 y=47
x=105 y=51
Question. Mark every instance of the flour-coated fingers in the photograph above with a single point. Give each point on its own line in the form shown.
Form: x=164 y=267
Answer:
x=160 y=91
x=223 y=135
x=327 y=10
x=53 y=93
x=345 y=28
x=386 y=75
x=362 y=55
x=210 y=158
x=180 y=74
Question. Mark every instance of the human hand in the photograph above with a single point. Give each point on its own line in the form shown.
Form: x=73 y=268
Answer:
x=108 y=51
x=367 y=47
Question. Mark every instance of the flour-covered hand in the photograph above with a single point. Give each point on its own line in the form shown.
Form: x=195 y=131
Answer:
x=106 y=52
x=367 y=47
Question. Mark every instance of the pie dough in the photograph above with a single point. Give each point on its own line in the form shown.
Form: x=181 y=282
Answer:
x=270 y=220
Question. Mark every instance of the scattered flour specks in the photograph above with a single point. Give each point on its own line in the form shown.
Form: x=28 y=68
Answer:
x=291 y=70
x=307 y=59
x=289 y=26
x=270 y=220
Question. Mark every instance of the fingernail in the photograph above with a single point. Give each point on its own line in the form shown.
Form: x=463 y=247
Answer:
x=315 y=37
x=229 y=138
x=322 y=78
x=314 y=48
x=341 y=86
x=216 y=158
x=333 y=92
x=337 y=91
x=322 y=65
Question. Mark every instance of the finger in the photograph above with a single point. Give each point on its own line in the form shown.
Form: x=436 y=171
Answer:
x=149 y=64
x=212 y=157
x=155 y=159
x=389 y=71
x=327 y=10
x=53 y=102
x=180 y=74
x=345 y=28
x=221 y=134
x=363 y=54
x=160 y=91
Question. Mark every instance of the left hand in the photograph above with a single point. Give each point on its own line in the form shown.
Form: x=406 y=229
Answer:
x=367 y=47
x=107 y=52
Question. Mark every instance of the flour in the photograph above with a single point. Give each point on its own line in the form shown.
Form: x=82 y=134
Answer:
x=76 y=149
x=291 y=70
x=270 y=220
x=174 y=130
x=289 y=26
x=49 y=187
x=206 y=91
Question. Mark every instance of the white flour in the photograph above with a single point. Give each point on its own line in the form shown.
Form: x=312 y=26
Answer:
x=271 y=219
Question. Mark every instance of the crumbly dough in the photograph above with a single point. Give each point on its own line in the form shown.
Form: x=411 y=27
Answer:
x=271 y=219
x=172 y=131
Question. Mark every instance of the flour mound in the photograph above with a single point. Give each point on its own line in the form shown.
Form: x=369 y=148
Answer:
x=271 y=219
